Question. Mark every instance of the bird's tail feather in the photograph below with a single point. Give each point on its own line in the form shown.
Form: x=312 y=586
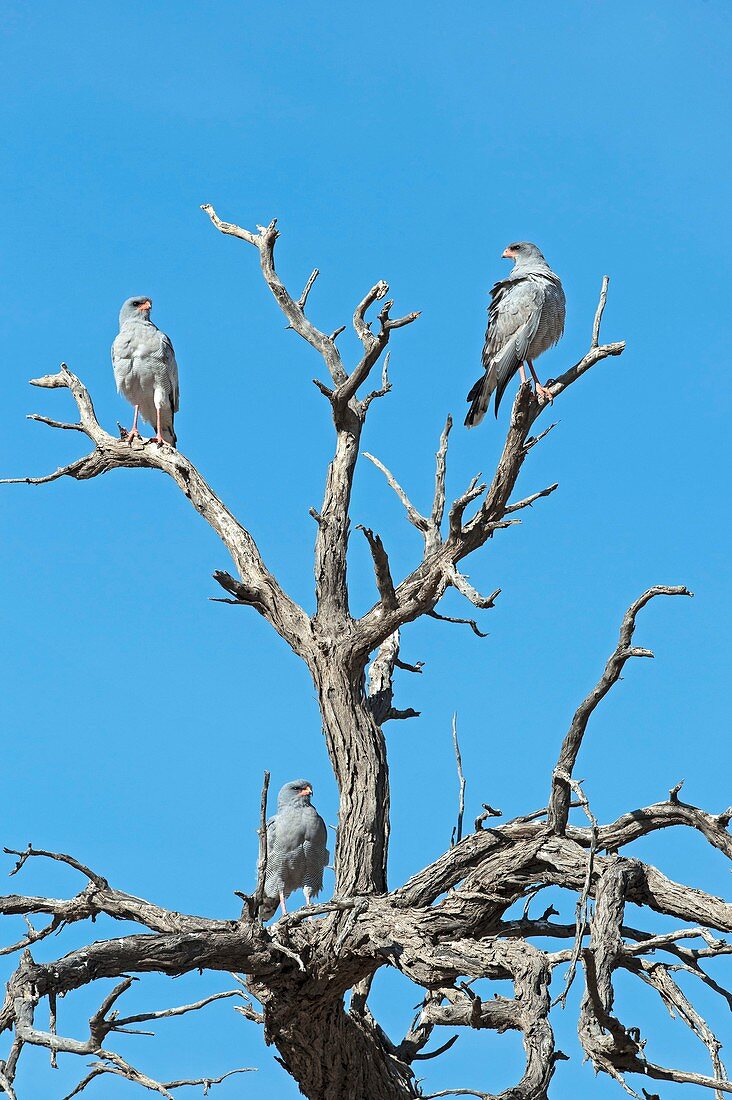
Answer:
x=167 y=428
x=480 y=396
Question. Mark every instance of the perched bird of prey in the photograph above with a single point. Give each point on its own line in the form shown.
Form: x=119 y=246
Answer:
x=525 y=317
x=145 y=370
x=296 y=851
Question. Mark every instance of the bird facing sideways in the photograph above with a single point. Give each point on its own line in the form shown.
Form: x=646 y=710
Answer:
x=145 y=370
x=525 y=317
x=296 y=851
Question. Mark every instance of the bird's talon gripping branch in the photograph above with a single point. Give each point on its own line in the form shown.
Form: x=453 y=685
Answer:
x=544 y=395
x=130 y=435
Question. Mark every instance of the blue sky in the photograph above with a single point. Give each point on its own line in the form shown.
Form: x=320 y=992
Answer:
x=410 y=144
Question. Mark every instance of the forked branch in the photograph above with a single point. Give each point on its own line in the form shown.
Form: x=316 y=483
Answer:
x=419 y=593
x=263 y=591
x=560 y=793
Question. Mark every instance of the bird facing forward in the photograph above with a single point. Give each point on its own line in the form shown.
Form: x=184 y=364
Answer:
x=296 y=851
x=145 y=370
x=525 y=317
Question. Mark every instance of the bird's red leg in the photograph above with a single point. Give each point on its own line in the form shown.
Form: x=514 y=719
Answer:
x=282 y=904
x=133 y=430
x=522 y=372
x=541 y=391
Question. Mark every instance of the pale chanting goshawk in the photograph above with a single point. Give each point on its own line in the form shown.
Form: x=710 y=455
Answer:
x=525 y=317
x=296 y=851
x=145 y=370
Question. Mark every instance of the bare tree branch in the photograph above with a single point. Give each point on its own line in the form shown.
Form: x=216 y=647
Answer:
x=473 y=491
x=380 y=685
x=438 y=503
x=363 y=330
x=460 y=622
x=559 y=800
x=302 y=300
x=382 y=571
x=264 y=241
x=600 y=310
x=271 y=601
x=463 y=586
x=415 y=518
x=382 y=392
x=530 y=500
x=458 y=831
x=59 y=857
x=657 y=976
x=263 y=853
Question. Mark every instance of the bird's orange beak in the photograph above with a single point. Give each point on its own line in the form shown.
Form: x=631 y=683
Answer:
x=508 y=254
x=145 y=307
x=306 y=790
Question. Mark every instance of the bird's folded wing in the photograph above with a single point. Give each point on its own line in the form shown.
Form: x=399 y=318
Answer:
x=122 y=354
x=511 y=328
x=171 y=366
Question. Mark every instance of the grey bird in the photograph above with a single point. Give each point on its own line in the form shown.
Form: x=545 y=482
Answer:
x=296 y=851
x=525 y=317
x=145 y=370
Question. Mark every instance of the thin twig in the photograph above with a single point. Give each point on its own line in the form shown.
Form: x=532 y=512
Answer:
x=530 y=500
x=59 y=857
x=385 y=386
x=207 y=1082
x=459 y=1092
x=302 y=300
x=457 y=835
x=599 y=312
x=415 y=517
x=262 y=860
x=438 y=503
x=180 y=1010
x=462 y=622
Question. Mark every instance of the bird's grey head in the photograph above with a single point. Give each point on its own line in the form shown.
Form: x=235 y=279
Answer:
x=295 y=793
x=524 y=252
x=136 y=309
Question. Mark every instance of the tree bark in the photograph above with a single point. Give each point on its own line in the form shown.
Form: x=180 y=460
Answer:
x=333 y=1054
x=357 y=752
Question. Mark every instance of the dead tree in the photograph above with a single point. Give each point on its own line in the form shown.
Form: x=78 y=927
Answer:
x=311 y=971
